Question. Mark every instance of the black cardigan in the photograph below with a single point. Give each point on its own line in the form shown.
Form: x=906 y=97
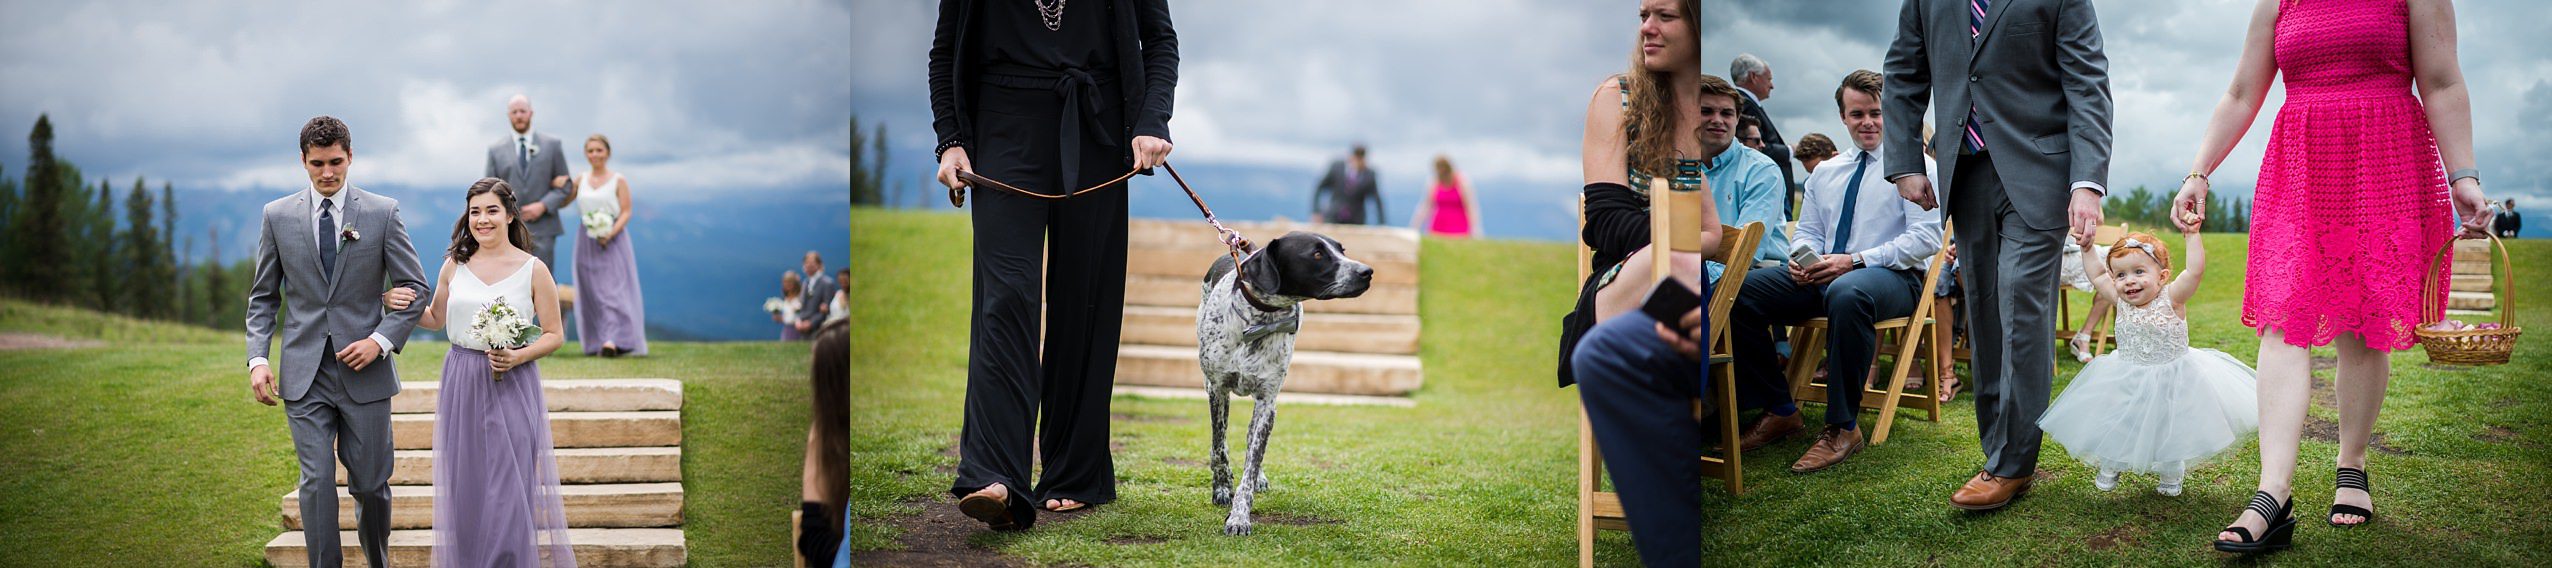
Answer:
x=1143 y=33
x=1616 y=226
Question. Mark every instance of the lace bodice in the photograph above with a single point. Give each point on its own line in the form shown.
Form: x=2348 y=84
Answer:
x=2152 y=334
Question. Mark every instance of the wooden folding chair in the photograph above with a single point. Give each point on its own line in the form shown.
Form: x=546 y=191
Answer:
x=1597 y=509
x=1899 y=338
x=2107 y=235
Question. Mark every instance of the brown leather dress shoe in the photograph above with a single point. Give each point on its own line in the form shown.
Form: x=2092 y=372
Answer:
x=1773 y=428
x=1834 y=444
x=1987 y=492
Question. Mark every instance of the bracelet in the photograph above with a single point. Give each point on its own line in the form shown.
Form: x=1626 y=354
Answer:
x=2200 y=177
x=943 y=148
x=2474 y=173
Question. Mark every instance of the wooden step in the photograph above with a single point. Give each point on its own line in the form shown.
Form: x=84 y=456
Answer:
x=2471 y=300
x=565 y=395
x=1347 y=333
x=640 y=548
x=1313 y=371
x=1363 y=242
x=575 y=465
x=618 y=505
x=1194 y=264
x=567 y=430
x=1289 y=398
x=2473 y=283
x=1183 y=292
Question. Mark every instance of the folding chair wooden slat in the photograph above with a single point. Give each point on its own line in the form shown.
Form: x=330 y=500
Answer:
x=1909 y=334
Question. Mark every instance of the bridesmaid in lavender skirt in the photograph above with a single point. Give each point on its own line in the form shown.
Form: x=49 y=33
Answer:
x=495 y=478
x=611 y=316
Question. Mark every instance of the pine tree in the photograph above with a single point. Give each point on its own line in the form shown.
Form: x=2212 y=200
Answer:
x=864 y=190
x=217 y=293
x=877 y=173
x=143 y=294
x=8 y=207
x=102 y=252
x=38 y=263
x=168 y=262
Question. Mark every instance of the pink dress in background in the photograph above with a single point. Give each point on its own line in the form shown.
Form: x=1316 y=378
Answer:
x=1452 y=218
x=2352 y=201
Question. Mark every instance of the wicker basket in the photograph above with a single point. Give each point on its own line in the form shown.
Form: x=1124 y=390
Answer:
x=2475 y=347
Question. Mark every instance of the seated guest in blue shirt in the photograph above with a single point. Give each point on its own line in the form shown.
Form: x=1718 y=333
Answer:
x=1872 y=248
x=1744 y=183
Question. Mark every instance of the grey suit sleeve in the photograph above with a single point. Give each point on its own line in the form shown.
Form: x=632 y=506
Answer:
x=1320 y=192
x=1907 y=90
x=1374 y=186
x=399 y=263
x=2085 y=69
x=558 y=197
x=491 y=162
x=264 y=293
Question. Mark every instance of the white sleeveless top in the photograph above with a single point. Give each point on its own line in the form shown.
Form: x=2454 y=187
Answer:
x=467 y=294
x=590 y=201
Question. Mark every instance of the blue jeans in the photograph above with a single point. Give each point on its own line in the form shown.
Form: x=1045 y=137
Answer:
x=1638 y=394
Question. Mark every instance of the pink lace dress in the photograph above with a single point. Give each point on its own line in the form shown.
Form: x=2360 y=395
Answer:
x=2352 y=200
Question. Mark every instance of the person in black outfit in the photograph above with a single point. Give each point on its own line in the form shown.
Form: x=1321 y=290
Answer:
x=1341 y=196
x=1753 y=76
x=1051 y=98
x=2508 y=221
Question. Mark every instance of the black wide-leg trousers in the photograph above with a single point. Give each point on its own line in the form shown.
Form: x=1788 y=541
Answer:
x=1069 y=253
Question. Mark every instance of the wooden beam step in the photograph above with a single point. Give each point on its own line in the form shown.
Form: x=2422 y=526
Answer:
x=1381 y=334
x=658 y=428
x=637 y=548
x=575 y=465
x=1313 y=371
x=617 y=505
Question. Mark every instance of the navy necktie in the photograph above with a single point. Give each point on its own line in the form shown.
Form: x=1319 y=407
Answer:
x=328 y=238
x=522 y=154
x=1975 y=30
x=1851 y=199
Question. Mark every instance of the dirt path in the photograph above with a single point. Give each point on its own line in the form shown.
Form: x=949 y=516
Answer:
x=16 y=341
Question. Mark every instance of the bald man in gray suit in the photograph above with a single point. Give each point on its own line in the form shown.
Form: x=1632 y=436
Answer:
x=2024 y=142
x=533 y=164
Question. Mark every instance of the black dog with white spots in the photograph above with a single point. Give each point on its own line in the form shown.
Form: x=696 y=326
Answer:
x=1245 y=339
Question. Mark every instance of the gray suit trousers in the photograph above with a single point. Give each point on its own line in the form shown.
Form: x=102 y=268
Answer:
x=327 y=426
x=2009 y=272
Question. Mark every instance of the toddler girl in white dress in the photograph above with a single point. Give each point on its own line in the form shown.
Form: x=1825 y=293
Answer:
x=2153 y=405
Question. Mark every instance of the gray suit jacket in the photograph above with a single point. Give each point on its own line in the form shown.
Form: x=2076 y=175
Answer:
x=531 y=184
x=2039 y=86
x=818 y=296
x=324 y=312
x=1342 y=203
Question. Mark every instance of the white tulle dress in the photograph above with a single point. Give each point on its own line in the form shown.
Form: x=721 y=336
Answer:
x=2155 y=404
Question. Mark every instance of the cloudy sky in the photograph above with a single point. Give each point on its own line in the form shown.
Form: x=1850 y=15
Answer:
x=1273 y=90
x=701 y=99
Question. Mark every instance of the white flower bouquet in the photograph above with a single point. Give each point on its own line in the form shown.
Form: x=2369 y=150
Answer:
x=774 y=305
x=500 y=326
x=597 y=221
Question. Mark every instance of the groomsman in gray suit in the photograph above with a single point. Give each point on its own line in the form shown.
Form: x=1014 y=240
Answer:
x=2024 y=116
x=324 y=255
x=533 y=164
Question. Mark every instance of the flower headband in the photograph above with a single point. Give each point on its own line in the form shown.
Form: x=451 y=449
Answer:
x=2131 y=242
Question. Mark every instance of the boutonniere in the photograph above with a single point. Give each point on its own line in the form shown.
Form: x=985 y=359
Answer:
x=350 y=235
x=532 y=147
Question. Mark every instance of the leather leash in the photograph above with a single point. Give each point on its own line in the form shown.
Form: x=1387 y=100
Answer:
x=1232 y=239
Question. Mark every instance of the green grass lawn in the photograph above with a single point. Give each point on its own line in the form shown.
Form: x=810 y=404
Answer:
x=1483 y=470
x=147 y=451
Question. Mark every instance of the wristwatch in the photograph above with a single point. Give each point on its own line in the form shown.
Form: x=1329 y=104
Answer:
x=1856 y=262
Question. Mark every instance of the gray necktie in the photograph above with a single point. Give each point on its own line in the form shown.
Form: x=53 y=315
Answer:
x=328 y=238
x=522 y=154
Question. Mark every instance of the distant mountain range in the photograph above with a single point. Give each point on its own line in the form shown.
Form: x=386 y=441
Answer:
x=705 y=265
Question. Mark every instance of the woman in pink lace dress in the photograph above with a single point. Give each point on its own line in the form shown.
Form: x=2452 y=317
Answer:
x=2352 y=201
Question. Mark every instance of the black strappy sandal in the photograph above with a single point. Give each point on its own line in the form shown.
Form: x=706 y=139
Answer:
x=2352 y=478
x=2281 y=527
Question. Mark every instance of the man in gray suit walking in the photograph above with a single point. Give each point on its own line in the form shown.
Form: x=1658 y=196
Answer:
x=324 y=255
x=2023 y=88
x=533 y=164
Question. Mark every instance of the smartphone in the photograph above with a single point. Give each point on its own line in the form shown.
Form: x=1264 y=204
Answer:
x=1803 y=256
x=1668 y=302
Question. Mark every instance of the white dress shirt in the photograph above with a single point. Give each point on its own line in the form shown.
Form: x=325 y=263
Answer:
x=1887 y=230
x=337 y=205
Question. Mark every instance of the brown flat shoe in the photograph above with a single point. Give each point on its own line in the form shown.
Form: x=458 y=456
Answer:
x=1773 y=428
x=1834 y=445
x=1987 y=492
x=1064 y=505
x=993 y=511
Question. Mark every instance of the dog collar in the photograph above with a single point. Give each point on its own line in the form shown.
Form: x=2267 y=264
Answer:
x=1252 y=298
x=1289 y=324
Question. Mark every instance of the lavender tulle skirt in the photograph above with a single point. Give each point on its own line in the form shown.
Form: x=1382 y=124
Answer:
x=495 y=478
x=609 y=308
